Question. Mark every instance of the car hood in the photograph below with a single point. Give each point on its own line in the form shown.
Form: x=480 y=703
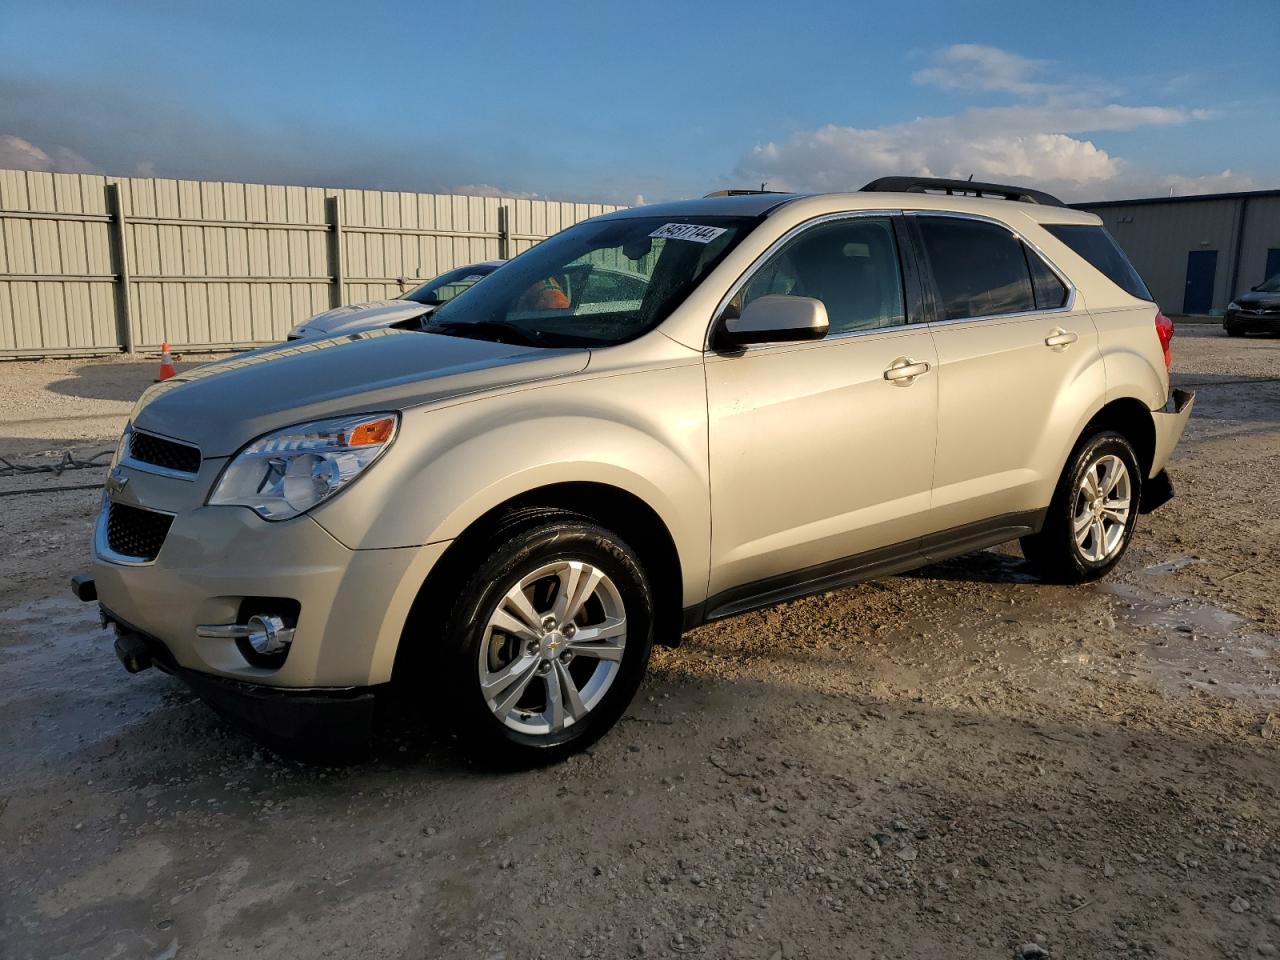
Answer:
x=359 y=316
x=1259 y=298
x=223 y=405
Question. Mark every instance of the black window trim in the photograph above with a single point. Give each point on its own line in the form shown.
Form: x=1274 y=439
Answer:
x=913 y=281
x=934 y=300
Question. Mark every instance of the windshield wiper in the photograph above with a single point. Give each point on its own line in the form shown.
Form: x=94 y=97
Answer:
x=477 y=328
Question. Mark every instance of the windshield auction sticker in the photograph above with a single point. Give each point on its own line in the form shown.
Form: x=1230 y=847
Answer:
x=687 y=231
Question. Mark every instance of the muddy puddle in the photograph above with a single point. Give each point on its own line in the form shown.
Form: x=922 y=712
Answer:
x=63 y=690
x=1187 y=644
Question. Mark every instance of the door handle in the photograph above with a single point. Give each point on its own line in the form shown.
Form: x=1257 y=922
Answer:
x=1061 y=338
x=904 y=371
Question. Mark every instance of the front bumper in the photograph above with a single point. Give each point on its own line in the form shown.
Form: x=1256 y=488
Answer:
x=1248 y=322
x=216 y=560
x=322 y=723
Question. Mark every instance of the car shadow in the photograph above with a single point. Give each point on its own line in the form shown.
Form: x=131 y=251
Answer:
x=122 y=381
x=984 y=566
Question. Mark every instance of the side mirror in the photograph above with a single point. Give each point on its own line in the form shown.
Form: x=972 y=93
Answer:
x=776 y=319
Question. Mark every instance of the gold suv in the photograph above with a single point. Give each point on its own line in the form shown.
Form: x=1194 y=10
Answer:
x=656 y=418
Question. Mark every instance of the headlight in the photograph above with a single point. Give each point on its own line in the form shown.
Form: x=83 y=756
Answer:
x=1233 y=306
x=290 y=471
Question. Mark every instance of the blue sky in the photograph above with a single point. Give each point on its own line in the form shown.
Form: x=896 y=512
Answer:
x=621 y=101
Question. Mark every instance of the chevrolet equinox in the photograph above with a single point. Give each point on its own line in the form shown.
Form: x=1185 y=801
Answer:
x=659 y=417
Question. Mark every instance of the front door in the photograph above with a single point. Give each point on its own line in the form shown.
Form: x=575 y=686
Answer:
x=816 y=457
x=1202 y=267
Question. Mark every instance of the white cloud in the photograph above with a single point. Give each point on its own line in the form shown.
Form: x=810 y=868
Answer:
x=973 y=66
x=19 y=154
x=1039 y=140
x=1132 y=184
x=489 y=190
x=844 y=158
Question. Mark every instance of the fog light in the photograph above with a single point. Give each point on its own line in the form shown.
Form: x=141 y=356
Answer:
x=268 y=634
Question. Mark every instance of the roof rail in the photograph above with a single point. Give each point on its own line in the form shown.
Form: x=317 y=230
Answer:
x=738 y=193
x=961 y=188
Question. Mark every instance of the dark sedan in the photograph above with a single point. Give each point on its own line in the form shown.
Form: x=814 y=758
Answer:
x=1257 y=311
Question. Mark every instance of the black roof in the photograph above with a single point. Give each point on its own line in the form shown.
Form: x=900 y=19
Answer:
x=1238 y=195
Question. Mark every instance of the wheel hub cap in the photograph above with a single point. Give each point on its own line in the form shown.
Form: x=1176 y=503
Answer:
x=552 y=647
x=1101 y=517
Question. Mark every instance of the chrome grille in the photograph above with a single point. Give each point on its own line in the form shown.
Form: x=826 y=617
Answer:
x=170 y=454
x=134 y=532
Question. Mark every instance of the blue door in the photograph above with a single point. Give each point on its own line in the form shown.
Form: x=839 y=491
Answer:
x=1273 y=263
x=1202 y=265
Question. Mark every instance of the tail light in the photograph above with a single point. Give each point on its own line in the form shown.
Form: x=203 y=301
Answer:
x=1164 y=330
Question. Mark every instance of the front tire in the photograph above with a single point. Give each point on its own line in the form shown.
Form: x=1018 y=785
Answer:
x=547 y=642
x=1232 y=330
x=1091 y=518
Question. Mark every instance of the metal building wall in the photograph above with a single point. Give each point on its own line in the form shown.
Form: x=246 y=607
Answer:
x=1159 y=234
x=1261 y=233
x=92 y=264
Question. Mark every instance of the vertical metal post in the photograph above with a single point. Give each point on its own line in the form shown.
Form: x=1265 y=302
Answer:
x=1238 y=252
x=120 y=267
x=504 y=233
x=333 y=216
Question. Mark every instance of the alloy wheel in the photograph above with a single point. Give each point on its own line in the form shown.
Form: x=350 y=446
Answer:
x=1102 y=506
x=552 y=647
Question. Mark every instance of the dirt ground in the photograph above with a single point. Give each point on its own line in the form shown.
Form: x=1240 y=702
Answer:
x=961 y=762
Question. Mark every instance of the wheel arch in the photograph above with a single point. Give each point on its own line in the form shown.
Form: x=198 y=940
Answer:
x=619 y=510
x=1131 y=418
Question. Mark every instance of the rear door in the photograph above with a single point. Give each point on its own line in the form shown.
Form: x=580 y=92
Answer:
x=1012 y=341
x=816 y=456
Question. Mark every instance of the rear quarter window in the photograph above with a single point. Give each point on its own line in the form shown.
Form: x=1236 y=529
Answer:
x=1097 y=246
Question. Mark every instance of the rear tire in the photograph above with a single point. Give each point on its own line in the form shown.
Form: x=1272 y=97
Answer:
x=1091 y=518
x=547 y=642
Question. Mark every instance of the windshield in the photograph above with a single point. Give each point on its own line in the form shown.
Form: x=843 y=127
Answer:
x=1270 y=285
x=595 y=284
x=448 y=285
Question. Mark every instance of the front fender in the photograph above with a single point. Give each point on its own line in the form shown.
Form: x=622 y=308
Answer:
x=644 y=433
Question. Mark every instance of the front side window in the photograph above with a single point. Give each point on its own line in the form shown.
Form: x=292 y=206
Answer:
x=595 y=284
x=979 y=268
x=850 y=265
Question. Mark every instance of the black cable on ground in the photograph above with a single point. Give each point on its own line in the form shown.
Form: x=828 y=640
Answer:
x=69 y=461
x=83 y=486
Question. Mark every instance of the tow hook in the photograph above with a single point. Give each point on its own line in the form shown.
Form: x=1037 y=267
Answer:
x=132 y=650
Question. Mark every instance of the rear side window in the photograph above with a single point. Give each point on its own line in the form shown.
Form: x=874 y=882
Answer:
x=979 y=268
x=1049 y=290
x=1100 y=249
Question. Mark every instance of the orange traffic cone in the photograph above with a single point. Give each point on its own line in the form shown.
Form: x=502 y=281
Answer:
x=166 y=363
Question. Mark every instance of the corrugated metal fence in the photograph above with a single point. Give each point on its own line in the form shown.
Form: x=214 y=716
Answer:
x=92 y=264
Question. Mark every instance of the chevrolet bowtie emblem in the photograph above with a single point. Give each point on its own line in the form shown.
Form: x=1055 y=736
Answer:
x=116 y=480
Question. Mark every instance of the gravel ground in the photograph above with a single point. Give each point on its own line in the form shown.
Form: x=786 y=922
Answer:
x=961 y=762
